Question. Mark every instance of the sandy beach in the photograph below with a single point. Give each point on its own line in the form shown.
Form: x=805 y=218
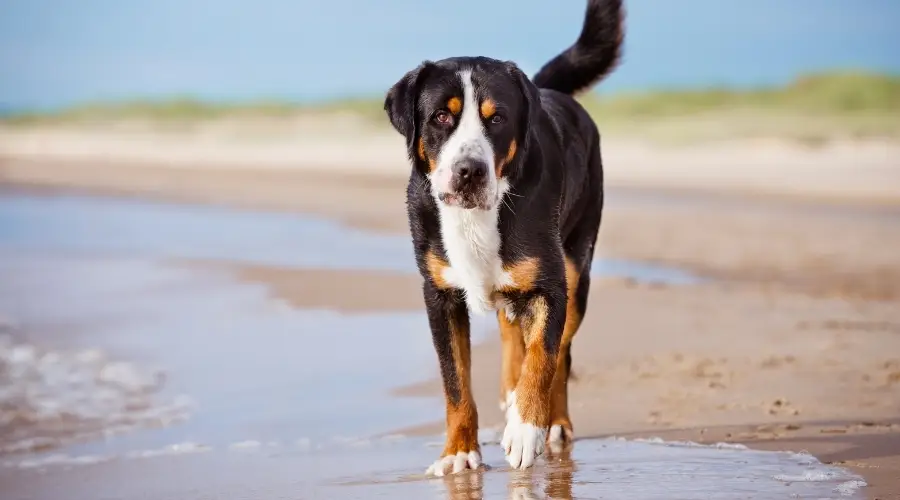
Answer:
x=789 y=340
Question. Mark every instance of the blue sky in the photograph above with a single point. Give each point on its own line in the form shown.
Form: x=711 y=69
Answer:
x=52 y=54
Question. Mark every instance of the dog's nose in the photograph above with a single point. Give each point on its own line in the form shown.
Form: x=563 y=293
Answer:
x=470 y=170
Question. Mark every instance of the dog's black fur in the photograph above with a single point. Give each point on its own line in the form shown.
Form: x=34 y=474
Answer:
x=553 y=209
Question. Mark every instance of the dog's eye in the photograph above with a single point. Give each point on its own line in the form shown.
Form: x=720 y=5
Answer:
x=497 y=119
x=443 y=117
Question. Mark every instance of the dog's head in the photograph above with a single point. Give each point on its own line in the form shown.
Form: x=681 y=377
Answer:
x=466 y=123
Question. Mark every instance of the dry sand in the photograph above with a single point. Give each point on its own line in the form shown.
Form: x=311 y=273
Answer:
x=795 y=344
x=845 y=170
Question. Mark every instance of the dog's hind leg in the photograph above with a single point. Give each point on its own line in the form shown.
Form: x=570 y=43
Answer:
x=578 y=283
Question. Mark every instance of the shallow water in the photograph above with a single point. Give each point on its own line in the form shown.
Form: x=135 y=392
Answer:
x=117 y=226
x=49 y=397
x=253 y=365
x=245 y=375
x=596 y=469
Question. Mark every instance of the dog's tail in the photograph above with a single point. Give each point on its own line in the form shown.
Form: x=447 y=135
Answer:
x=594 y=55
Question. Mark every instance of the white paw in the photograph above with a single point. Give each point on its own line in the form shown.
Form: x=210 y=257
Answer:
x=558 y=438
x=451 y=464
x=522 y=442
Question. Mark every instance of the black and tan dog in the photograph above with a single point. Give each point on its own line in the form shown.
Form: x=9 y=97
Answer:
x=504 y=203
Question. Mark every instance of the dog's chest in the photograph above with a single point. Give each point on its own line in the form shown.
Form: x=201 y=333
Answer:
x=472 y=243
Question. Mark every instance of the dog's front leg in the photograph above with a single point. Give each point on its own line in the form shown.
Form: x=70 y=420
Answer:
x=528 y=406
x=449 y=321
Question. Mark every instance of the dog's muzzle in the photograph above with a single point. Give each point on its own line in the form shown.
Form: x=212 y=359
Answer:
x=468 y=185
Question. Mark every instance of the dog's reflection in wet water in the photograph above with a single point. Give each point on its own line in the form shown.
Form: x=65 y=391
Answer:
x=553 y=481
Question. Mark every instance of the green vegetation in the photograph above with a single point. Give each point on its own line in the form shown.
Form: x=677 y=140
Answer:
x=184 y=109
x=836 y=93
x=813 y=108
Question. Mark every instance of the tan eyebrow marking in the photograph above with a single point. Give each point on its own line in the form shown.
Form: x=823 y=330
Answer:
x=454 y=105
x=488 y=108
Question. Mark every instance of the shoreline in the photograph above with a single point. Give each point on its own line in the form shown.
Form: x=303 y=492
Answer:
x=774 y=222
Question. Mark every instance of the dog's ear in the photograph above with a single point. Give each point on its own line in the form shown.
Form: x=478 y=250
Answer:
x=532 y=100
x=400 y=104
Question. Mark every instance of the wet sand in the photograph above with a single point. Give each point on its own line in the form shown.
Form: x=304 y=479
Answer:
x=791 y=345
x=772 y=369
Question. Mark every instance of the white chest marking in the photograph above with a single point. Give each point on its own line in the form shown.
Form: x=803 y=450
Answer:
x=472 y=243
x=471 y=237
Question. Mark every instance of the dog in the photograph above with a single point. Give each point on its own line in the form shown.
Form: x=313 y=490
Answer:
x=504 y=203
